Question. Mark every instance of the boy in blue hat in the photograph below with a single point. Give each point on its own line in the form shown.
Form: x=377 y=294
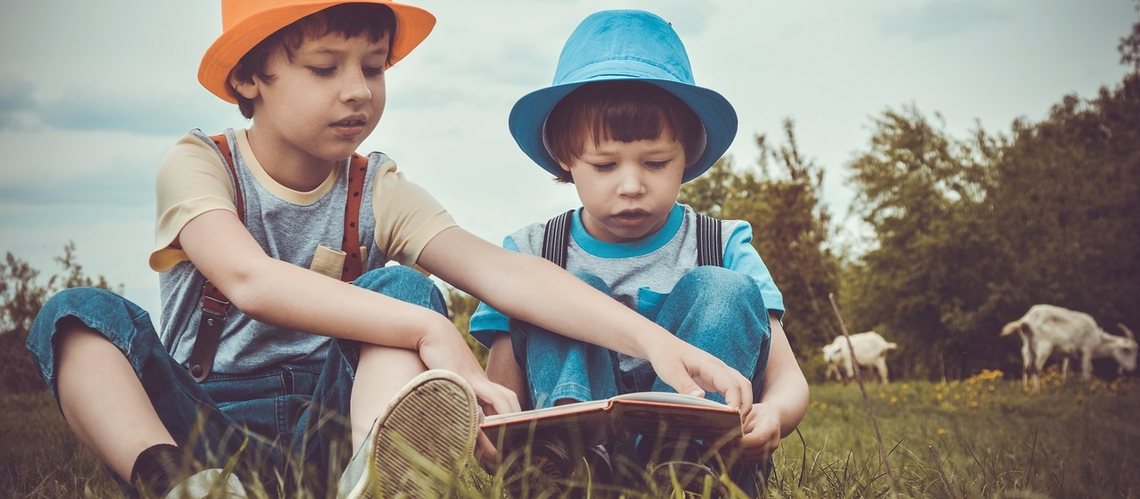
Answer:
x=268 y=364
x=626 y=125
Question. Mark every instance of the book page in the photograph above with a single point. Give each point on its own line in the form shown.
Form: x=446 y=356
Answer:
x=671 y=398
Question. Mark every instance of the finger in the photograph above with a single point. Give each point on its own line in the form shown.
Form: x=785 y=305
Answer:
x=497 y=399
x=486 y=455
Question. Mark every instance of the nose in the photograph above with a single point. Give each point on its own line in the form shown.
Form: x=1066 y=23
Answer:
x=355 y=87
x=629 y=182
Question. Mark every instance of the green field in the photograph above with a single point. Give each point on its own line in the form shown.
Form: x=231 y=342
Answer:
x=983 y=436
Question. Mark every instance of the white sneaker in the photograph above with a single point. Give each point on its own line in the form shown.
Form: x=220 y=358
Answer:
x=419 y=444
x=213 y=483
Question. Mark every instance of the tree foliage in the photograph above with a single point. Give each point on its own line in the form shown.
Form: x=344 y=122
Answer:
x=791 y=228
x=22 y=294
x=1130 y=46
x=969 y=234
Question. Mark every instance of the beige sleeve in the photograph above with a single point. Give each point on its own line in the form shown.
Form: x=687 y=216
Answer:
x=191 y=181
x=407 y=216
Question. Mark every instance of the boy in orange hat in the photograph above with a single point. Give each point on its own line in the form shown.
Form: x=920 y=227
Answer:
x=267 y=364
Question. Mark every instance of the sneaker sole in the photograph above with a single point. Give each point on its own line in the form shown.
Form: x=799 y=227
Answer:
x=424 y=437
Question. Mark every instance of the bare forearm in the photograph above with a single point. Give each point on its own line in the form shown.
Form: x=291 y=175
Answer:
x=289 y=296
x=785 y=389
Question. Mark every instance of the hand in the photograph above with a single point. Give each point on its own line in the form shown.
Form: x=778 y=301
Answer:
x=486 y=455
x=691 y=370
x=761 y=434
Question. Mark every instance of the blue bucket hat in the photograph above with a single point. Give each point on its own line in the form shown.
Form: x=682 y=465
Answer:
x=624 y=45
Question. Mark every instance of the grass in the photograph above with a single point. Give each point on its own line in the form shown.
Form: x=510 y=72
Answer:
x=983 y=436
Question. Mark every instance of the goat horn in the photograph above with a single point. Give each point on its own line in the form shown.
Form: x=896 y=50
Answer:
x=1127 y=332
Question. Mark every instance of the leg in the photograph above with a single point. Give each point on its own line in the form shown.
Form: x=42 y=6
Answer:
x=723 y=313
x=109 y=413
x=390 y=399
x=382 y=372
x=881 y=368
x=1086 y=365
x=376 y=373
x=1041 y=352
x=502 y=368
x=720 y=312
x=560 y=369
x=118 y=389
x=1026 y=362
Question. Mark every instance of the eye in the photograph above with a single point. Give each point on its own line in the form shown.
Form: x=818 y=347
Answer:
x=657 y=165
x=371 y=71
x=322 y=71
x=603 y=167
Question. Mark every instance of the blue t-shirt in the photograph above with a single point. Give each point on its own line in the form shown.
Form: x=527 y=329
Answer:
x=641 y=273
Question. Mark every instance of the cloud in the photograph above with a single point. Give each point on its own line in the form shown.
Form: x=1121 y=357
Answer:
x=130 y=183
x=688 y=18
x=941 y=18
x=95 y=109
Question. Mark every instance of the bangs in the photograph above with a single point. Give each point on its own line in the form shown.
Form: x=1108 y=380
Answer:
x=623 y=111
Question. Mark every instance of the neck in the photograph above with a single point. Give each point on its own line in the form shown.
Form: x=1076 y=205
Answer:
x=288 y=165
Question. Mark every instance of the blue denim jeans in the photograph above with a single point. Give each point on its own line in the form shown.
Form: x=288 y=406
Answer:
x=712 y=308
x=285 y=422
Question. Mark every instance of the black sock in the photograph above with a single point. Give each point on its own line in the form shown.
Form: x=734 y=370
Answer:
x=157 y=469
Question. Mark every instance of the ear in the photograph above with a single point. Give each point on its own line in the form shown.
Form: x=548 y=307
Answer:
x=247 y=89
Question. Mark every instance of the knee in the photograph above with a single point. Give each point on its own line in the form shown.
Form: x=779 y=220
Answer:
x=73 y=307
x=708 y=284
x=405 y=284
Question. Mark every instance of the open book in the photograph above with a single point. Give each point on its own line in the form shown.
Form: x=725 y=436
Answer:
x=602 y=421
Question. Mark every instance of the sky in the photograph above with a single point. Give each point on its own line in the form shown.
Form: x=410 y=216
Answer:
x=93 y=95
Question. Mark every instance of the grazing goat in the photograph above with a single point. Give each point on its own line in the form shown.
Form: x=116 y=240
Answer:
x=1048 y=329
x=870 y=351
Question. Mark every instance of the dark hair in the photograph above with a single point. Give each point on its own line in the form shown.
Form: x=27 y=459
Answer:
x=626 y=111
x=349 y=20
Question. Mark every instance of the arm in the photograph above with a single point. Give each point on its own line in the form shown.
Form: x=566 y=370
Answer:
x=502 y=368
x=783 y=400
x=532 y=289
x=279 y=293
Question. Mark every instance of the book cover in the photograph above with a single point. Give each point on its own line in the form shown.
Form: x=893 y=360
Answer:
x=602 y=421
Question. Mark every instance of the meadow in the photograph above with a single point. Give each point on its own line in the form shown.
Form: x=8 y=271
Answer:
x=980 y=437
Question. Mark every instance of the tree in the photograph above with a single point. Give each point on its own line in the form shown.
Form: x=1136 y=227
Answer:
x=920 y=191
x=22 y=294
x=1130 y=46
x=791 y=229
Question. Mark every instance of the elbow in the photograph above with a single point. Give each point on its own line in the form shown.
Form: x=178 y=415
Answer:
x=245 y=290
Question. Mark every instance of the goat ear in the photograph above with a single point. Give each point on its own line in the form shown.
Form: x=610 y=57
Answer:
x=1127 y=332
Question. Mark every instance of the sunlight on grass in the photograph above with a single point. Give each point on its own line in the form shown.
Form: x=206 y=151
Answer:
x=990 y=437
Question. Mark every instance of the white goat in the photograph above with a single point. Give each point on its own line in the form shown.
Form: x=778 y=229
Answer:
x=1048 y=329
x=870 y=351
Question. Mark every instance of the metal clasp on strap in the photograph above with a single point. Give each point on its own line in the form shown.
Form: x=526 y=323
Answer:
x=213 y=319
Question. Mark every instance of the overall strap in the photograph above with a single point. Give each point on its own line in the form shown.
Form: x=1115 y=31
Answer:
x=556 y=238
x=353 y=260
x=215 y=305
x=709 y=247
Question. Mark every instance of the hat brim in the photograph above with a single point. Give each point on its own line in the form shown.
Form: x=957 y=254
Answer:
x=413 y=24
x=715 y=112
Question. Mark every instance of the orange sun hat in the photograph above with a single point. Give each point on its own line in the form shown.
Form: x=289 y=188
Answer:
x=245 y=23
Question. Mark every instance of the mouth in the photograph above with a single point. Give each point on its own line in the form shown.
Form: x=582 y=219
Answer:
x=350 y=122
x=349 y=126
x=630 y=217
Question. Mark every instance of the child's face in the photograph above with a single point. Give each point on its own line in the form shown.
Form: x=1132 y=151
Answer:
x=627 y=188
x=325 y=101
